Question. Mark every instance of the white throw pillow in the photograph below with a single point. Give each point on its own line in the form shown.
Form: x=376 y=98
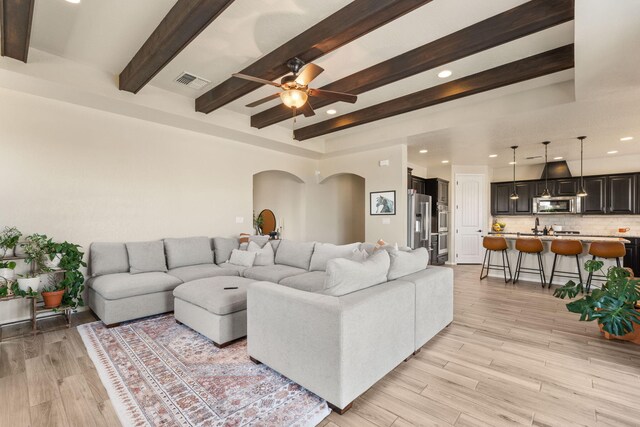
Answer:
x=264 y=255
x=345 y=276
x=242 y=258
x=359 y=255
x=404 y=263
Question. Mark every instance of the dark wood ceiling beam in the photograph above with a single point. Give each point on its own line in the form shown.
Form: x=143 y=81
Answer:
x=539 y=65
x=15 y=24
x=185 y=20
x=521 y=21
x=352 y=21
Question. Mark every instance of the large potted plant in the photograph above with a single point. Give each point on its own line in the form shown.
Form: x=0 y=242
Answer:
x=9 y=238
x=614 y=306
x=70 y=288
x=7 y=270
x=34 y=250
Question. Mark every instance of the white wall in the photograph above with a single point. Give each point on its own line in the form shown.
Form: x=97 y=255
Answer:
x=285 y=195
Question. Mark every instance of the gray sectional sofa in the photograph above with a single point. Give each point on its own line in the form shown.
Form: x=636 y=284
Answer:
x=319 y=316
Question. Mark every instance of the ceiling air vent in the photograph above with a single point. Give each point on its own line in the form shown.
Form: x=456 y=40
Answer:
x=191 y=81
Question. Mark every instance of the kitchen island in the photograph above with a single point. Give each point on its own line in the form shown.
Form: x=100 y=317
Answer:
x=564 y=263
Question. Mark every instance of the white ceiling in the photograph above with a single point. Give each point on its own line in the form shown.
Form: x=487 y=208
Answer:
x=106 y=35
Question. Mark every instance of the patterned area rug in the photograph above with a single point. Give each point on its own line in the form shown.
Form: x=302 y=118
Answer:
x=160 y=373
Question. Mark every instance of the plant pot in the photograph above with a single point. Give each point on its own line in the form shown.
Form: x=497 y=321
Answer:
x=633 y=336
x=52 y=299
x=52 y=263
x=24 y=283
x=6 y=252
x=8 y=273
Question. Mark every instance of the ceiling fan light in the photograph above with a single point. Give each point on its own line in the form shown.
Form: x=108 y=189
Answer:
x=294 y=98
x=546 y=194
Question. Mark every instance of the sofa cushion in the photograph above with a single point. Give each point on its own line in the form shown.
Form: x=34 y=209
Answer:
x=264 y=255
x=108 y=258
x=222 y=247
x=210 y=294
x=146 y=257
x=272 y=273
x=312 y=281
x=188 y=251
x=242 y=258
x=125 y=285
x=237 y=268
x=404 y=263
x=323 y=252
x=345 y=275
x=295 y=254
x=200 y=271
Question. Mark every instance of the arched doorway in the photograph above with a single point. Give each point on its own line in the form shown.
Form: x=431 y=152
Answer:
x=283 y=193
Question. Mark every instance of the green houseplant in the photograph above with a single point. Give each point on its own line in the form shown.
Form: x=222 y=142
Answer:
x=613 y=306
x=34 y=250
x=9 y=238
x=70 y=288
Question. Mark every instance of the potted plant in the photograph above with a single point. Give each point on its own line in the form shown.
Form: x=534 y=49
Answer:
x=7 y=270
x=34 y=250
x=52 y=295
x=73 y=281
x=52 y=255
x=614 y=306
x=8 y=240
x=257 y=224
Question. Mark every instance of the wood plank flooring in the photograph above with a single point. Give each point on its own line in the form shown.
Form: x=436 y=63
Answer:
x=513 y=355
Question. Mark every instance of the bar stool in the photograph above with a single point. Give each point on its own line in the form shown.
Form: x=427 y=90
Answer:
x=567 y=247
x=529 y=246
x=495 y=244
x=605 y=250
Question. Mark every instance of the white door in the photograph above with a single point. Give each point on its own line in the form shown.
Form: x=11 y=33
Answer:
x=470 y=195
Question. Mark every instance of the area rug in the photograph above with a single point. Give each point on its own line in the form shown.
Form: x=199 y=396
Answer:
x=157 y=372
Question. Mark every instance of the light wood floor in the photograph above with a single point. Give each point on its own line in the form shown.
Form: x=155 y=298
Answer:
x=513 y=355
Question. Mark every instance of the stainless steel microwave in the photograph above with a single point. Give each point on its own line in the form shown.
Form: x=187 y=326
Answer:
x=557 y=205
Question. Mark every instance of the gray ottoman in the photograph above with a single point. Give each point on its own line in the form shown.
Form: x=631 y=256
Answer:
x=207 y=307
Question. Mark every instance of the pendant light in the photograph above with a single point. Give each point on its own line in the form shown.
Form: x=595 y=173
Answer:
x=546 y=194
x=514 y=195
x=582 y=192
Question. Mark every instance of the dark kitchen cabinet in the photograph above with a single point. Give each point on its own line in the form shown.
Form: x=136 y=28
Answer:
x=443 y=191
x=621 y=191
x=438 y=189
x=418 y=184
x=524 y=204
x=539 y=186
x=596 y=200
x=566 y=187
x=500 y=202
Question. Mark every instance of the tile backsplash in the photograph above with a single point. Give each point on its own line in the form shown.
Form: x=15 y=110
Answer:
x=587 y=224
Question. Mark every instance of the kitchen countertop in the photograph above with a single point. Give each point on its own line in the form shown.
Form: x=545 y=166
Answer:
x=585 y=238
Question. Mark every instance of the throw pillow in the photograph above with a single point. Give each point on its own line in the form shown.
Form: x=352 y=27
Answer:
x=188 y=251
x=345 y=276
x=359 y=255
x=223 y=247
x=295 y=254
x=323 y=252
x=244 y=238
x=404 y=263
x=264 y=255
x=242 y=258
x=146 y=257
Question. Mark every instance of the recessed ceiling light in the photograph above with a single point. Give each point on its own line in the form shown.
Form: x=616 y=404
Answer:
x=424 y=151
x=331 y=112
x=493 y=155
x=626 y=138
x=557 y=158
x=445 y=161
x=444 y=74
x=612 y=152
x=513 y=163
x=73 y=1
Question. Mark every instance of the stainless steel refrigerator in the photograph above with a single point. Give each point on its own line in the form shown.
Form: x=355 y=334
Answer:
x=419 y=221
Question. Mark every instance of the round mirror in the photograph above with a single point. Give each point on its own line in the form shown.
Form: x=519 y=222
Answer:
x=268 y=222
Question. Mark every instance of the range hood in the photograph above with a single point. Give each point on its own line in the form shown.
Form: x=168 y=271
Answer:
x=556 y=170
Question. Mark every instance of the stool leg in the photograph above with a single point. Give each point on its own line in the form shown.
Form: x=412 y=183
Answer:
x=553 y=269
x=508 y=265
x=518 y=265
x=618 y=262
x=482 y=275
x=544 y=282
x=590 y=277
x=504 y=268
x=579 y=268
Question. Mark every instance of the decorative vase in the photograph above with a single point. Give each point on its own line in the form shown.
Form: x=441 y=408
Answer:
x=24 y=283
x=52 y=263
x=52 y=299
x=8 y=273
x=6 y=252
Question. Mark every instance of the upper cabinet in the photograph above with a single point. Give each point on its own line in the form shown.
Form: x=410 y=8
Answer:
x=596 y=200
x=622 y=194
x=501 y=203
x=566 y=187
x=438 y=189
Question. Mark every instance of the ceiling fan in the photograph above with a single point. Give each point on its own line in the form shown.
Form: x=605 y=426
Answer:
x=295 y=88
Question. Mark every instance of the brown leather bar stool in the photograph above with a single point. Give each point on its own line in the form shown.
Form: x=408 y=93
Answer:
x=529 y=246
x=605 y=250
x=495 y=244
x=568 y=247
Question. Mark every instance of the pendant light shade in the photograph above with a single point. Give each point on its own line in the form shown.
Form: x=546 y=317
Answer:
x=546 y=194
x=581 y=192
x=514 y=195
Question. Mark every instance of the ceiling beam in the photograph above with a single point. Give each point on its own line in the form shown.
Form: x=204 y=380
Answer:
x=185 y=20
x=539 y=65
x=521 y=21
x=352 y=21
x=15 y=24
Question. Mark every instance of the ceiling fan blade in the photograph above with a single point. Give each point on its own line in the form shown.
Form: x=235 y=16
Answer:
x=336 y=96
x=263 y=100
x=307 y=110
x=308 y=73
x=255 y=79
